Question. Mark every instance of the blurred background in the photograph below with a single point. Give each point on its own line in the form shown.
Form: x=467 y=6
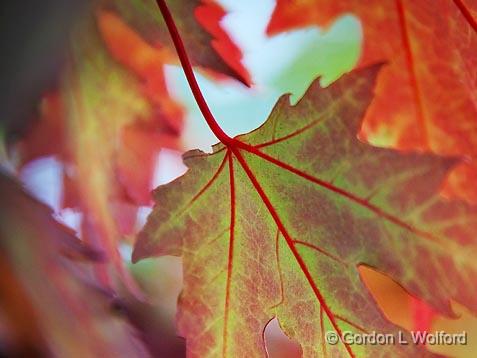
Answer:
x=94 y=115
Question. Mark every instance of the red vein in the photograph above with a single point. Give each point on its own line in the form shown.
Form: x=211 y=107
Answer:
x=289 y=241
x=218 y=236
x=231 y=253
x=411 y=68
x=206 y=186
x=322 y=331
x=326 y=253
x=466 y=13
x=189 y=73
x=291 y=135
x=277 y=254
x=360 y=201
x=351 y=324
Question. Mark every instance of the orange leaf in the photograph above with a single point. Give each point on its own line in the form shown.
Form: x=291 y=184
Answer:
x=426 y=95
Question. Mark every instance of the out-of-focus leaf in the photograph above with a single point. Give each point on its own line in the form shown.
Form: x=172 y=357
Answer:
x=426 y=95
x=113 y=113
x=107 y=128
x=142 y=139
x=207 y=42
x=53 y=304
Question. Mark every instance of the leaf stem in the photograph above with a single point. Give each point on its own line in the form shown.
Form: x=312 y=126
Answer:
x=189 y=73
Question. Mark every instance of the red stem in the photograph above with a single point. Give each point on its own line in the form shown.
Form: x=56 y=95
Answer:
x=189 y=73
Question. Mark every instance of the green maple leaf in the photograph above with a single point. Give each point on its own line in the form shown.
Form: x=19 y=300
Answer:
x=275 y=223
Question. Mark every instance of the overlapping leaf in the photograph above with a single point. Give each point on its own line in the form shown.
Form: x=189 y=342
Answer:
x=275 y=224
x=107 y=133
x=207 y=42
x=52 y=305
x=426 y=97
x=143 y=138
x=113 y=112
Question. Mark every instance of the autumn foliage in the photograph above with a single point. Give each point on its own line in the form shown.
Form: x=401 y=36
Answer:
x=363 y=186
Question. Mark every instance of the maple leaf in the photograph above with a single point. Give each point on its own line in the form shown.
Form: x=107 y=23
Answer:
x=426 y=97
x=275 y=223
x=199 y=21
x=52 y=304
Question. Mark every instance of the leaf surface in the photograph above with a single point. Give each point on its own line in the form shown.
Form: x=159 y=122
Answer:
x=426 y=96
x=276 y=223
